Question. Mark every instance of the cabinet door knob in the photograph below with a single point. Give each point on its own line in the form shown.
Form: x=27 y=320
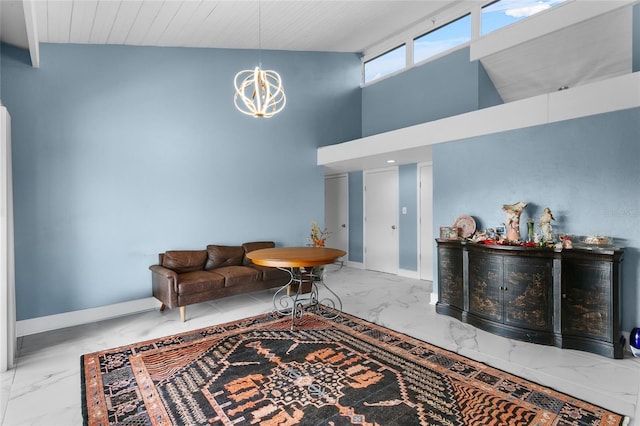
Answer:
x=564 y=296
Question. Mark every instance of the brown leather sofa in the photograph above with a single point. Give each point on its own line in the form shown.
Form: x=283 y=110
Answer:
x=184 y=277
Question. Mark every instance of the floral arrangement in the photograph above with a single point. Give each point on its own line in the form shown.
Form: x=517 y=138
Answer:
x=318 y=236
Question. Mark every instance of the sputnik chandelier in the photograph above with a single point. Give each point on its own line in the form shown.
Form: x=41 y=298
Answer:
x=259 y=92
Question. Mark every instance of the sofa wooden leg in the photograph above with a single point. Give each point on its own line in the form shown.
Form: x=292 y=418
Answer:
x=183 y=313
x=163 y=307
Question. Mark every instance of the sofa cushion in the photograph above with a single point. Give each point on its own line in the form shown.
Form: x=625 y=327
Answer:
x=199 y=281
x=256 y=245
x=235 y=275
x=219 y=256
x=184 y=260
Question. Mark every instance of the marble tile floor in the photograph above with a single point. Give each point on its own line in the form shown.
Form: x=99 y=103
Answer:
x=44 y=387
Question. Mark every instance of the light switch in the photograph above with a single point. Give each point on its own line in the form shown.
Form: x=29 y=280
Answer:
x=404 y=210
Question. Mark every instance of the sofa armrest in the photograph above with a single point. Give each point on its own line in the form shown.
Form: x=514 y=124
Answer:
x=165 y=285
x=165 y=272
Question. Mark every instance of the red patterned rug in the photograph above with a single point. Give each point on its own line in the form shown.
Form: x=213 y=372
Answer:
x=345 y=371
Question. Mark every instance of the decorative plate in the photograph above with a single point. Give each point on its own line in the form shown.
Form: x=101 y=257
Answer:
x=597 y=240
x=466 y=224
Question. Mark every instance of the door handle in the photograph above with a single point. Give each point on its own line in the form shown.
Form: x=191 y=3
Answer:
x=393 y=227
x=343 y=225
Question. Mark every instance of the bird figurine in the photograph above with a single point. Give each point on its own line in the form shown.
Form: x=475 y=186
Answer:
x=516 y=207
x=513 y=219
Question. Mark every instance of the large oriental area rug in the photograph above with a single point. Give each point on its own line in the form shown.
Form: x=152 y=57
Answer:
x=327 y=372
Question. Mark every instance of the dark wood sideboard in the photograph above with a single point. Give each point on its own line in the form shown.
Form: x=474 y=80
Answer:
x=567 y=298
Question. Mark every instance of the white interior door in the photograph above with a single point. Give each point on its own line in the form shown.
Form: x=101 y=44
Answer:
x=336 y=211
x=381 y=220
x=426 y=222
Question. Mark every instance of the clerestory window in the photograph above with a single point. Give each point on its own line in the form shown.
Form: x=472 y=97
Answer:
x=385 y=64
x=441 y=39
x=493 y=16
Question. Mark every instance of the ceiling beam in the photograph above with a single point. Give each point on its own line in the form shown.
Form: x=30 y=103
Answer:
x=32 y=31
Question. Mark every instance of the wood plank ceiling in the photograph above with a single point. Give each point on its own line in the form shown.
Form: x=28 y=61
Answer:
x=339 y=26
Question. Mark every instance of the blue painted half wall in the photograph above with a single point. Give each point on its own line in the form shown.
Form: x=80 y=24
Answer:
x=444 y=87
x=120 y=153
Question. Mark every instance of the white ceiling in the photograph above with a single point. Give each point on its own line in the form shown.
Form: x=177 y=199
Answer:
x=339 y=26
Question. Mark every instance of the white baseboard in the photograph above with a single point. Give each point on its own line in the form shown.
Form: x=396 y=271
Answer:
x=401 y=272
x=408 y=274
x=434 y=298
x=84 y=316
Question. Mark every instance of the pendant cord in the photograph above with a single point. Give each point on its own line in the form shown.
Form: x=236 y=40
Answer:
x=259 y=33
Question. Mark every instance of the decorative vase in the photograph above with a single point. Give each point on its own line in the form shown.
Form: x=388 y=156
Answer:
x=634 y=341
x=530 y=229
x=513 y=219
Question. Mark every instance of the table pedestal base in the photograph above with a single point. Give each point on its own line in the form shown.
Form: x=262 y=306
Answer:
x=302 y=293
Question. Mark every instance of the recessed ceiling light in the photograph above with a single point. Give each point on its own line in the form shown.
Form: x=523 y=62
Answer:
x=391 y=161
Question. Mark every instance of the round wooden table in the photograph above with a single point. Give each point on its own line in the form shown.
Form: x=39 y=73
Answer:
x=295 y=257
x=302 y=265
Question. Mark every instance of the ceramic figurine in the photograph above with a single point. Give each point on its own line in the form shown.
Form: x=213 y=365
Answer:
x=545 y=225
x=513 y=219
x=567 y=243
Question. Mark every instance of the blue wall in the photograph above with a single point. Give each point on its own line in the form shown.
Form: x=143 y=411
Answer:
x=586 y=170
x=120 y=153
x=408 y=222
x=356 y=217
x=441 y=88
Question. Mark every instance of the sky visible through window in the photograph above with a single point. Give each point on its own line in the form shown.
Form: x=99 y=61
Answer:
x=385 y=64
x=505 y=12
x=442 y=39
x=495 y=15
